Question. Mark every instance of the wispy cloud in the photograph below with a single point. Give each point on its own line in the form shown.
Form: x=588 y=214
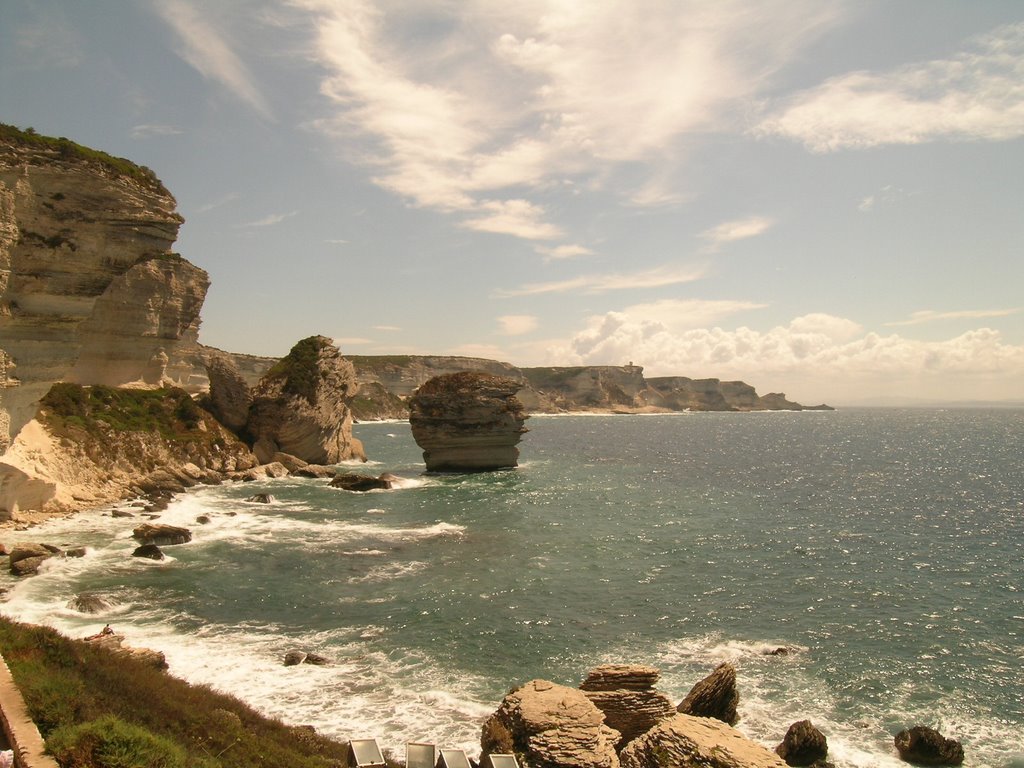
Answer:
x=271 y=220
x=517 y=325
x=204 y=48
x=389 y=328
x=739 y=229
x=228 y=198
x=49 y=40
x=930 y=315
x=149 y=130
x=658 y=277
x=682 y=314
x=336 y=241
x=569 y=251
x=977 y=94
x=520 y=218
x=513 y=98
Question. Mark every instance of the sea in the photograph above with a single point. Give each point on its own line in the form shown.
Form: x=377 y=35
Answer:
x=883 y=548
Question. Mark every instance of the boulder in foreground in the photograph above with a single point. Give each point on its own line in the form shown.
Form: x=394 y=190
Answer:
x=468 y=422
x=550 y=726
x=684 y=741
x=803 y=744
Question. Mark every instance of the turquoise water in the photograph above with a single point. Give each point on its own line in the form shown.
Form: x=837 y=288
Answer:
x=883 y=546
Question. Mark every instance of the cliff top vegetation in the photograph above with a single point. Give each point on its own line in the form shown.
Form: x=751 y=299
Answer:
x=87 y=701
x=300 y=368
x=67 y=149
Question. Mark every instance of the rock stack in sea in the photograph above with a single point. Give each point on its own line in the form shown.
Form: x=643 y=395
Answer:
x=299 y=408
x=716 y=696
x=468 y=422
x=626 y=695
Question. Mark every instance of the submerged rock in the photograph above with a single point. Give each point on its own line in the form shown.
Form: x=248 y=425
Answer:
x=926 y=746
x=625 y=694
x=468 y=422
x=353 y=482
x=149 y=551
x=88 y=603
x=714 y=696
x=262 y=498
x=161 y=535
x=550 y=726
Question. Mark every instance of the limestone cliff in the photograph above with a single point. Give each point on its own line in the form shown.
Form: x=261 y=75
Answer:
x=387 y=382
x=89 y=289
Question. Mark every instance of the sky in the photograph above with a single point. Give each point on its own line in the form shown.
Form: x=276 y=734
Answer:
x=819 y=197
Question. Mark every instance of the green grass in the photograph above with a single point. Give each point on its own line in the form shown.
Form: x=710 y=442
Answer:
x=98 y=710
x=70 y=150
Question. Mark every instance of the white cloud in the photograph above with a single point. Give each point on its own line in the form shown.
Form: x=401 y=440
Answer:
x=205 y=49
x=740 y=229
x=336 y=241
x=271 y=219
x=570 y=251
x=507 y=99
x=930 y=315
x=978 y=94
x=149 y=130
x=818 y=356
x=389 y=328
x=517 y=325
x=651 y=278
x=684 y=314
x=520 y=218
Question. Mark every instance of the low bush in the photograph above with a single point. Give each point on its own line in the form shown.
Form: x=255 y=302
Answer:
x=110 y=742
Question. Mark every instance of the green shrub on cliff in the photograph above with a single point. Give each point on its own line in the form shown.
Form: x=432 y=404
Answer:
x=171 y=412
x=70 y=150
x=300 y=367
x=110 y=742
x=95 y=708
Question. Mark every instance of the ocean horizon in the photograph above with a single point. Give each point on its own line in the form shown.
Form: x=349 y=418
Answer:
x=881 y=547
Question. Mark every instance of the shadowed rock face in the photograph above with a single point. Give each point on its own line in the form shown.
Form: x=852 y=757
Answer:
x=626 y=695
x=714 y=696
x=468 y=422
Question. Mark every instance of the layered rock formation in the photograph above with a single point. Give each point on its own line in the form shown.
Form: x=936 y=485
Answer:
x=550 y=726
x=684 y=741
x=89 y=290
x=467 y=422
x=300 y=406
x=625 y=694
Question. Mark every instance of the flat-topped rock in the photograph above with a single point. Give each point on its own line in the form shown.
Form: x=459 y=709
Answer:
x=613 y=677
x=625 y=694
x=468 y=422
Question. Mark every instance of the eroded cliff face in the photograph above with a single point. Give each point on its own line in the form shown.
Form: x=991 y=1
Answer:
x=89 y=290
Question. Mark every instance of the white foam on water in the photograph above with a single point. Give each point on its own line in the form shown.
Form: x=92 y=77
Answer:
x=388 y=572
